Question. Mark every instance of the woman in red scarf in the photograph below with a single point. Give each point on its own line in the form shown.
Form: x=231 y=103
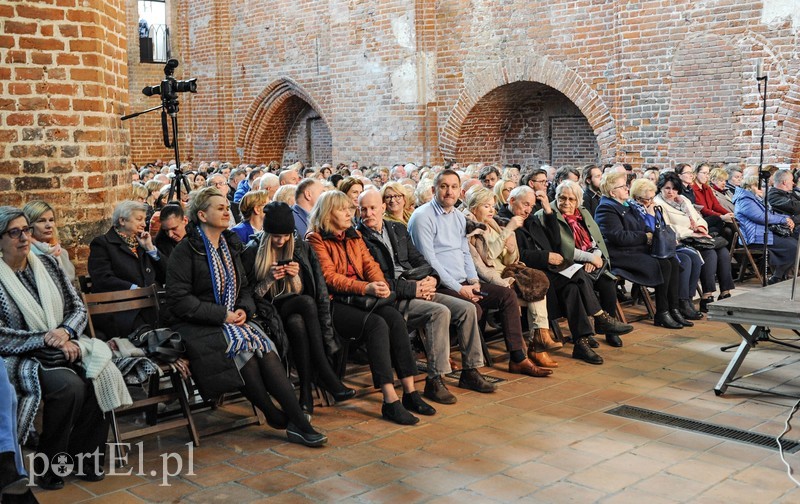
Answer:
x=582 y=243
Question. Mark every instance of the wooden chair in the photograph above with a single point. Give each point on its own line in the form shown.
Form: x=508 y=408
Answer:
x=744 y=256
x=145 y=297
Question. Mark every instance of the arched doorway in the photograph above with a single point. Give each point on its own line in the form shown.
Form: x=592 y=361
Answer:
x=284 y=124
x=528 y=123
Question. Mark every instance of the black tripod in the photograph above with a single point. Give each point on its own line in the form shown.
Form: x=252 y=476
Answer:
x=169 y=89
x=763 y=175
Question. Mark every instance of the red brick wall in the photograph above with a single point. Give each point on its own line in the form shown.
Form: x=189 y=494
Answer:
x=396 y=80
x=63 y=86
x=308 y=139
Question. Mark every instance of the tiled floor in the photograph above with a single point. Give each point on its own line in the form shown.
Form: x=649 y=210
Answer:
x=535 y=440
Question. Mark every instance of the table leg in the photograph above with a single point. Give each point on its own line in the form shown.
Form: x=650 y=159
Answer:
x=748 y=341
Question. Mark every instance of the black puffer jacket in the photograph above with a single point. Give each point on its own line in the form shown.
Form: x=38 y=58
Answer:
x=193 y=312
x=313 y=284
x=405 y=254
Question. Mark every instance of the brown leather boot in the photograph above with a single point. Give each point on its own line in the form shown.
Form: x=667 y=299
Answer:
x=542 y=359
x=543 y=342
x=527 y=367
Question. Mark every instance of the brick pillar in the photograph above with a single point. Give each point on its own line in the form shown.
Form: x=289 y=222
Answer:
x=63 y=87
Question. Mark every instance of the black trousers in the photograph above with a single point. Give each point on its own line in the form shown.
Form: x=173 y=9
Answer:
x=386 y=336
x=577 y=298
x=667 y=292
x=72 y=422
x=606 y=289
x=505 y=300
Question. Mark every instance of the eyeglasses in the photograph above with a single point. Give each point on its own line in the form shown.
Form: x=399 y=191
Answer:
x=17 y=232
x=392 y=197
x=687 y=173
x=542 y=181
x=644 y=200
x=623 y=186
x=565 y=199
x=219 y=184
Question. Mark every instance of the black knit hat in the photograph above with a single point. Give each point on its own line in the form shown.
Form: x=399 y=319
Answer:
x=278 y=218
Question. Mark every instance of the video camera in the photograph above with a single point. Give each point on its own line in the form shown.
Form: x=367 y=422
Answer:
x=170 y=87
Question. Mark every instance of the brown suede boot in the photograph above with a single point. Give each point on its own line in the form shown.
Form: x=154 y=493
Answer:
x=543 y=342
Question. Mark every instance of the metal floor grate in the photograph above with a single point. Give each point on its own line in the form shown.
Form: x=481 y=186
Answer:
x=739 y=435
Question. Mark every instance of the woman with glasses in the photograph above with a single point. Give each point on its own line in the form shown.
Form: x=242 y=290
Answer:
x=350 y=270
x=686 y=174
x=629 y=235
x=642 y=199
x=718 y=180
x=40 y=311
x=399 y=202
x=687 y=223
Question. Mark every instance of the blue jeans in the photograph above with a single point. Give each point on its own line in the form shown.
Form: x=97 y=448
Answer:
x=8 y=418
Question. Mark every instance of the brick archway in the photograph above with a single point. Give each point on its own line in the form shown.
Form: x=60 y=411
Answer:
x=270 y=118
x=535 y=69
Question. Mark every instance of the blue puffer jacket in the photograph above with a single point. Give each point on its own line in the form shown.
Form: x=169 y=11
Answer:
x=750 y=214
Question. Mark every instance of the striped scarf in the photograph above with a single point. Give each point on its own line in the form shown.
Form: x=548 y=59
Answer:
x=224 y=282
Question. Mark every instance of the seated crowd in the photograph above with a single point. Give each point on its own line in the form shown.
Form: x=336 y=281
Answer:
x=267 y=267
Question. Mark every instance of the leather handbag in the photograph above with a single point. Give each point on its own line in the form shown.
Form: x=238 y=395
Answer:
x=366 y=302
x=418 y=273
x=162 y=344
x=664 y=238
x=780 y=230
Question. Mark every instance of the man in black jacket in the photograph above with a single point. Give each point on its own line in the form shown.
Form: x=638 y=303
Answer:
x=173 y=229
x=391 y=246
x=591 y=182
x=782 y=197
x=538 y=245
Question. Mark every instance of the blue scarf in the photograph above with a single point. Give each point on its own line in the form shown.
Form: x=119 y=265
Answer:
x=649 y=220
x=224 y=282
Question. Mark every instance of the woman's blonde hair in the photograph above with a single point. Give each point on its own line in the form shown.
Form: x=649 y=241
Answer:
x=200 y=201
x=640 y=186
x=139 y=191
x=408 y=197
x=720 y=174
x=266 y=256
x=498 y=190
x=252 y=200
x=478 y=195
x=328 y=202
x=35 y=209
x=609 y=181
x=285 y=194
x=424 y=191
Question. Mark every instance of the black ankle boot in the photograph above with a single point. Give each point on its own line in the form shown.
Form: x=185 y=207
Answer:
x=704 y=302
x=664 y=319
x=11 y=481
x=688 y=311
x=677 y=317
x=581 y=350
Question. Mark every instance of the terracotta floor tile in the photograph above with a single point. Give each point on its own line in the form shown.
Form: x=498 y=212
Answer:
x=476 y=466
x=115 y=498
x=216 y=474
x=438 y=481
x=225 y=493
x=673 y=486
x=318 y=468
x=699 y=471
x=273 y=482
x=395 y=492
x=503 y=488
x=628 y=496
x=607 y=480
x=332 y=489
x=375 y=475
x=285 y=498
x=737 y=491
x=153 y=492
x=537 y=473
x=565 y=492
x=259 y=462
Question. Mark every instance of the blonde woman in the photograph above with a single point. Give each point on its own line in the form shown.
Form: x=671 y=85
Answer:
x=501 y=191
x=44 y=240
x=398 y=200
x=285 y=194
x=350 y=270
x=287 y=274
x=252 y=208
x=424 y=191
x=493 y=248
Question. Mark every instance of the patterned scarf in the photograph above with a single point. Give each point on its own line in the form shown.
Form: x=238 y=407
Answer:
x=242 y=338
x=43 y=314
x=130 y=241
x=582 y=239
x=649 y=220
x=683 y=207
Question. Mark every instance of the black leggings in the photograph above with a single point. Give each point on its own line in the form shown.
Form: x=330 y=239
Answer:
x=301 y=321
x=667 y=292
x=386 y=337
x=264 y=376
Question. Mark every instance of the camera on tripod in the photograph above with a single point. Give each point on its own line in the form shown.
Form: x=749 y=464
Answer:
x=170 y=87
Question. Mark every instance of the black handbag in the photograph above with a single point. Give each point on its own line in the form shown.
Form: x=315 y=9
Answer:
x=780 y=230
x=665 y=241
x=366 y=302
x=163 y=344
x=418 y=273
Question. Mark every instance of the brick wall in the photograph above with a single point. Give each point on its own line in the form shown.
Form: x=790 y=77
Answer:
x=396 y=80
x=63 y=86
x=308 y=139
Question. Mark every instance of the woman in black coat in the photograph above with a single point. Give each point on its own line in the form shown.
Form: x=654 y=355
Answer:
x=210 y=303
x=628 y=239
x=286 y=272
x=125 y=258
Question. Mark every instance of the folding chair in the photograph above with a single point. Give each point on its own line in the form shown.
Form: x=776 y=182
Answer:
x=744 y=256
x=145 y=297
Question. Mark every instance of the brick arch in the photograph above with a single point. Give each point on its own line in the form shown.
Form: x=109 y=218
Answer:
x=270 y=118
x=535 y=69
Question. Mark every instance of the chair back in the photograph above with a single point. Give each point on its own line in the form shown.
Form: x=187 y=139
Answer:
x=119 y=301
